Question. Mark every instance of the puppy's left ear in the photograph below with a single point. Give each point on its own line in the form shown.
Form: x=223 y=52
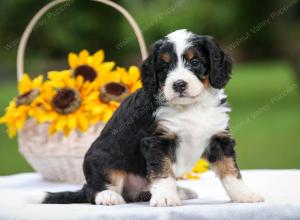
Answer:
x=148 y=74
x=220 y=64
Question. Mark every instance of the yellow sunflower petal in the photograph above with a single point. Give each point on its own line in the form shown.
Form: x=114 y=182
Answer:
x=67 y=131
x=3 y=119
x=98 y=57
x=134 y=73
x=83 y=57
x=79 y=82
x=107 y=115
x=12 y=131
x=37 y=82
x=73 y=60
x=72 y=121
x=96 y=110
x=82 y=122
x=25 y=84
x=192 y=176
x=42 y=116
x=95 y=119
x=105 y=67
x=61 y=123
x=20 y=122
x=70 y=82
x=136 y=86
x=52 y=129
x=201 y=166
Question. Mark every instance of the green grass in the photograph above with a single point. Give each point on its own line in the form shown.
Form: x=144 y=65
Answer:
x=266 y=115
x=265 y=119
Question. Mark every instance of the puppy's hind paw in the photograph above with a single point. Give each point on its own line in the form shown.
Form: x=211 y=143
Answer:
x=109 y=197
x=185 y=194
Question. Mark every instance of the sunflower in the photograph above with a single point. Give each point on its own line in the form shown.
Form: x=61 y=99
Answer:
x=59 y=78
x=101 y=111
x=90 y=67
x=200 y=167
x=21 y=107
x=111 y=89
x=62 y=103
x=118 y=84
x=131 y=78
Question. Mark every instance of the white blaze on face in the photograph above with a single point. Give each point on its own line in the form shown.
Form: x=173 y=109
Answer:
x=180 y=39
x=194 y=86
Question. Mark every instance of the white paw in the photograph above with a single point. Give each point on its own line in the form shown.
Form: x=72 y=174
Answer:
x=247 y=197
x=165 y=200
x=239 y=192
x=185 y=194
x=109 y=197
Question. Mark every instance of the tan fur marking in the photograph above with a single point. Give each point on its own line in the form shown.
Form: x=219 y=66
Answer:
x=166 y=57
x=168 y=167
x=226 y=167
x=205 y=82
x=117 y=178
x=224 y=135
x=190 y=54
x=165 y=132
x=166 y=170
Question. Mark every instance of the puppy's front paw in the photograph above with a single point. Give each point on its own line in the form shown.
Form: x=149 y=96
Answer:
x=245 y=197
x=165 y=200
x=239 y=192
x=109 y=197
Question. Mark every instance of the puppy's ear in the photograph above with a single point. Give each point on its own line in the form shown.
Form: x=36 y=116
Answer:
x=148 y=73
x=220 y=64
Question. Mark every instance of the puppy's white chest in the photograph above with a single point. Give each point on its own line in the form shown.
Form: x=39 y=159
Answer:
x=194 y=126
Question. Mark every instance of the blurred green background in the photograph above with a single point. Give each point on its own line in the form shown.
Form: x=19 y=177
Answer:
x=262 y=37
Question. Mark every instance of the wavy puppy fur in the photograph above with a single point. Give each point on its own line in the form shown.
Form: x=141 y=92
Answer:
x=180 y=114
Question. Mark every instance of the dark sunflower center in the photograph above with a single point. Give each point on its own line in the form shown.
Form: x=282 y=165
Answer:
x=87 y=72
x=28 y=97
x=115 y=88
x=113 y=92
x=66 y=100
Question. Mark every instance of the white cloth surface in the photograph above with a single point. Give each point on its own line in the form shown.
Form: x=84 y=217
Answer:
x=281 y=189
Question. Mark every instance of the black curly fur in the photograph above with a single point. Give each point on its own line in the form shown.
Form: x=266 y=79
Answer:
x=130 y=141
x=149 y=77
x=220 y=64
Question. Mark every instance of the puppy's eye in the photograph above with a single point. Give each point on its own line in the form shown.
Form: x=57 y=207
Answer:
x=195 y=63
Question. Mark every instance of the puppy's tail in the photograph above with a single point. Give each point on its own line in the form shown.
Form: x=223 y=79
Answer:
x=59 y=197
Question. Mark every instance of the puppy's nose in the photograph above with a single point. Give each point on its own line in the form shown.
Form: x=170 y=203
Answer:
x=179 y=86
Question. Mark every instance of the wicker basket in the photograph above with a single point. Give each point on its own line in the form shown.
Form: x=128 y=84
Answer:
x=56 y=157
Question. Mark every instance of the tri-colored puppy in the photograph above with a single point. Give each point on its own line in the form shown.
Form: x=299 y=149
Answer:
x=160 y=131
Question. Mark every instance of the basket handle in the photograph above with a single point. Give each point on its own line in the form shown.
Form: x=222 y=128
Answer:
x=41 y=12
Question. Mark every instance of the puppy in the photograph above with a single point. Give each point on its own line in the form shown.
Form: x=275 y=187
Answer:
x=160 y=131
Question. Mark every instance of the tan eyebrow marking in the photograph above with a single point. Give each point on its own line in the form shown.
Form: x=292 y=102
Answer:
x=205 y=82
x=190 y=54
x=166 y=57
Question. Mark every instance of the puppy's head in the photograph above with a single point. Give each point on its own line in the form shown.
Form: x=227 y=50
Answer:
x=182 y=65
